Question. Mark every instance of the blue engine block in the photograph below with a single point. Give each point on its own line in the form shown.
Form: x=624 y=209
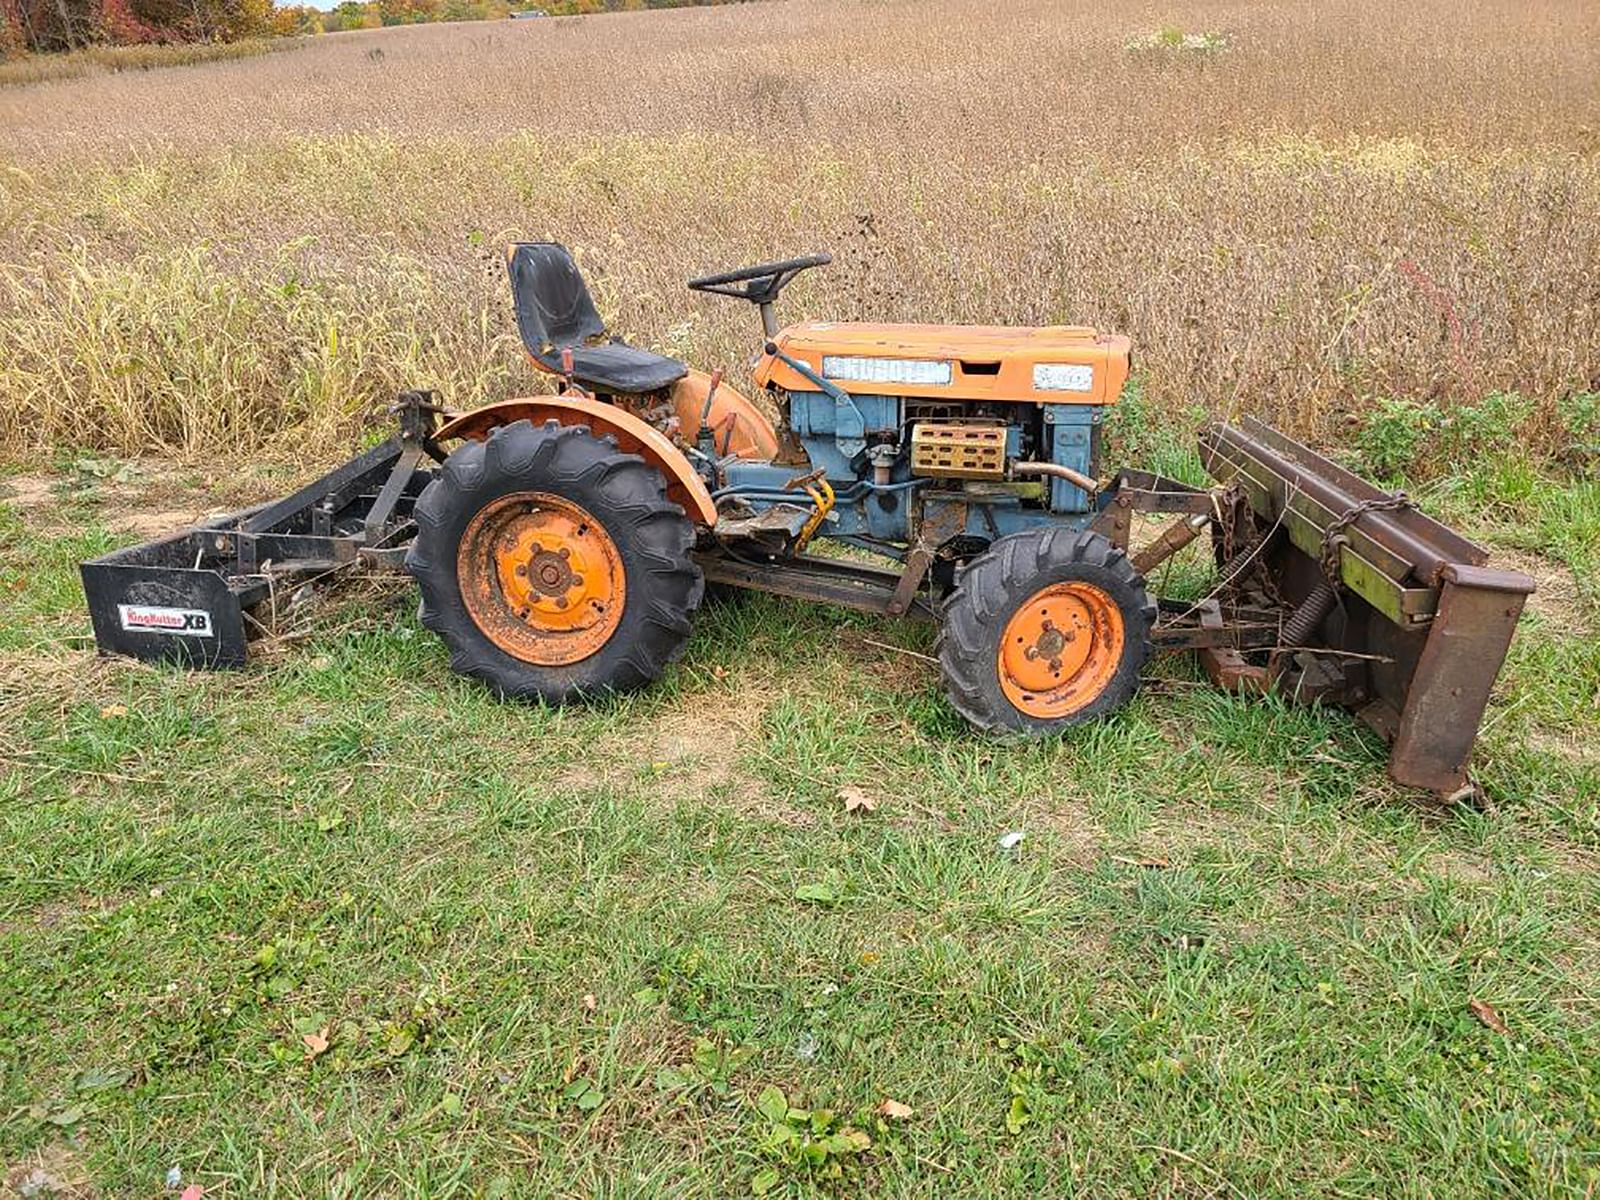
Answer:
x=836 y=434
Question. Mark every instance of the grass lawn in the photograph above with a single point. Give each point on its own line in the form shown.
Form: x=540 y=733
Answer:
x=342 y=925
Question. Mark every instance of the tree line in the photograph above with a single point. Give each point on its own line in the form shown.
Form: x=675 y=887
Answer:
x=44 y=26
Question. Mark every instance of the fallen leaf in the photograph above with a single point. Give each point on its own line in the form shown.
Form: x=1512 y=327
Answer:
x=114 y=710
x=894 y=1110
x=589 y=1001
x=193 y=1192
x=817 y=893
x=316 y=1043
x=850 y=1140
x=855 y=799
x=1485 y=1012
x=96 y=1079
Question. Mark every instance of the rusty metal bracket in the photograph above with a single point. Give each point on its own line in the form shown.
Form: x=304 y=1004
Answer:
x=1449 y=690
x=1172 y=539
x=916 y=570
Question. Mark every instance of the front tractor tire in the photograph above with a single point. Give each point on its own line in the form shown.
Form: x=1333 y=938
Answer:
x=1046 y=629
x=553 y=565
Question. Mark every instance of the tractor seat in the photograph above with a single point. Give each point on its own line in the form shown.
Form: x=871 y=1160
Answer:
x=555 y=312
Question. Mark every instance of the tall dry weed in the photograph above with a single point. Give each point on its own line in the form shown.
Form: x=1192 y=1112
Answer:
x=1346 y=205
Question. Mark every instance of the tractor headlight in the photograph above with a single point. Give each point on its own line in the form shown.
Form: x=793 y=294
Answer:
x=927 y=372
x=1063 y=377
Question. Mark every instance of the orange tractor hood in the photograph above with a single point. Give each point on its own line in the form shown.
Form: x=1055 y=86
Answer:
x=985 y=362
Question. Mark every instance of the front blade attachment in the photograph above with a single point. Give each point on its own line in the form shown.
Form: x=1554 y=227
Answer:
x=1395 y=615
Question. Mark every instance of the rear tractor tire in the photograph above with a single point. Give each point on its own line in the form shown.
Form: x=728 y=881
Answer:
x=553 y=565
x=1046 y=629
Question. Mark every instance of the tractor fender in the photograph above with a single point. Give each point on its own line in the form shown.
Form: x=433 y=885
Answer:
x=740 y=425
x=634 y=436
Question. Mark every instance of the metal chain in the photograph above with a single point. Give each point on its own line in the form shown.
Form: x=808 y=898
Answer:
x=1242 y=547
x=1334 y=539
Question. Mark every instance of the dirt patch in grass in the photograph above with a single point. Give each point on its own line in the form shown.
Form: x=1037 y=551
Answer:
x=47 y=916
x=1181 y=832
x=1559 y=601
x=894 y=668
x=147 y=525
x=1569 y=746
x=51 y=1173
x=1462 y=867
x=689 y=753
x=147 y=497
x=1076 y=832
x=702 y=742
x=698 y=752
x=29 y=491
x=66 y=677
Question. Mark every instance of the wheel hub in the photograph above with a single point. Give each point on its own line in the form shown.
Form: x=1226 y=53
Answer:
x=1060 y=649
x=542 y=578
x=548 y=574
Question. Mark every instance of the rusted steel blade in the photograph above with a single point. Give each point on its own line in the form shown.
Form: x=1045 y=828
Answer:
x=1423 y=621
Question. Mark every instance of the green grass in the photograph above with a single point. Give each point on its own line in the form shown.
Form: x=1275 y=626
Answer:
x=562 y=952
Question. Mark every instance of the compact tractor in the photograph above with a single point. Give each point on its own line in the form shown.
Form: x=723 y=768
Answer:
x=563 y=542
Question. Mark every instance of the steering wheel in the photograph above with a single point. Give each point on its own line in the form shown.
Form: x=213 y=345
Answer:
x=761 y=283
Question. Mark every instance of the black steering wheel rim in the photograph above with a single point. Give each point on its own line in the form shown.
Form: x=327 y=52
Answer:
x=762 y=282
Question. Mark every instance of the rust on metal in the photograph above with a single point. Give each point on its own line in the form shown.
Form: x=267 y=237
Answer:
x=807 y=577
x=1384 y=609
x=633 y=436
x=951 y=450
x=541 y=578
x=1171 y=539
x=937 y=528
x=1086 y=483
x=1061 y=649
x=1449 y=689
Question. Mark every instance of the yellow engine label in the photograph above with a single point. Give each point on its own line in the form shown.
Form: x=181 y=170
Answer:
x=958 y=451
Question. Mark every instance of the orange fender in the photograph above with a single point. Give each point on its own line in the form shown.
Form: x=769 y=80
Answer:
x=633 y=436
x=752 y=435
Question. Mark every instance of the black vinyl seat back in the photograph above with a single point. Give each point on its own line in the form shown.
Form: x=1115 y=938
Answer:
x=555 y=312
x=554 y=308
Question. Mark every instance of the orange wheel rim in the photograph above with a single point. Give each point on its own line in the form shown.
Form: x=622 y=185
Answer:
x=541 y=578
x=1060 y=649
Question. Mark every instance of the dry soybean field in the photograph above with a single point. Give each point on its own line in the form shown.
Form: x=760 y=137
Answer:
x=342 y=925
